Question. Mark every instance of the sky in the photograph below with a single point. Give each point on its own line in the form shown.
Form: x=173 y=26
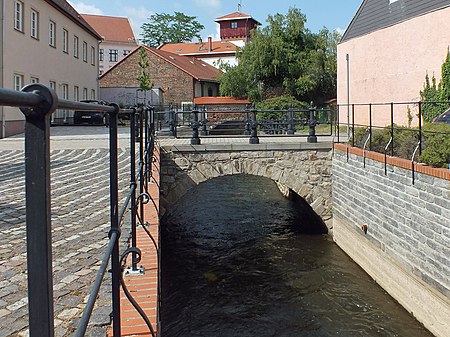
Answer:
x=332 y=14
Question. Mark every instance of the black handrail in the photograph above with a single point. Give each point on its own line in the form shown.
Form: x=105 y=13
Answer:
x=38 y=102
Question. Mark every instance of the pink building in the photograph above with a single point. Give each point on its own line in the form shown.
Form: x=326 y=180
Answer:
x=391 y=45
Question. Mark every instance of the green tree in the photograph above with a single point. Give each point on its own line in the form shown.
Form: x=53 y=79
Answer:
x=285 y=58
x=170 y=28
x=145 y=83
x=436 y=93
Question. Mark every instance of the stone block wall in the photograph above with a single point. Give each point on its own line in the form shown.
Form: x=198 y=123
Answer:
x=408 y=225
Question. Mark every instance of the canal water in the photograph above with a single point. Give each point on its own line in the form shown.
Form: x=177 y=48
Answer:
x=236 y=263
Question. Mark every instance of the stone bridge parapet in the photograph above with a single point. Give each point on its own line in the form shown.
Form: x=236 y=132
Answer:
x=302 y=168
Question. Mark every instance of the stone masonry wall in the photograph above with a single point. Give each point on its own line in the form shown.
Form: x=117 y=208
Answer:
x=308 y=173
x=410 y=224
x=176 y=84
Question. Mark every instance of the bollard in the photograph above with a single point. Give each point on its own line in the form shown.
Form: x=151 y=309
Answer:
x=195 y=140
x=312 y=138
x=254 y=128
x=203 y=122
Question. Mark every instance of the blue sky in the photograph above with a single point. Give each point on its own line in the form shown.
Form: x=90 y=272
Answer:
x=333 y=14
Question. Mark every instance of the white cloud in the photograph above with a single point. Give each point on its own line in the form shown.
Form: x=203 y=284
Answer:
x=211 y=4
x=341 y=31
x=137 y=17
x=83 y=8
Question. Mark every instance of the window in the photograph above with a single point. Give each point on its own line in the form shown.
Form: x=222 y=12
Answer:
x=34 y=29
x=65 y=91
x=75 y=46
x=85 y=93
x=100 y=55
x=234 y=25
x=18 y=15
x=18 y=82
x=84 y=51
x=76 y=93
x=93 y=94
x=34 y=80
x=113 y=55
x=65 y=42
x=52 y=33
x=93 y=56
x=52 y=85
x=126 y=52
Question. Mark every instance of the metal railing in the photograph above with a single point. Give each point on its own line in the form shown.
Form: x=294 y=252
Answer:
x=203 y=123
x=38 y=102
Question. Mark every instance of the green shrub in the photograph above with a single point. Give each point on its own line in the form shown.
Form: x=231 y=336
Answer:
x=436 y=151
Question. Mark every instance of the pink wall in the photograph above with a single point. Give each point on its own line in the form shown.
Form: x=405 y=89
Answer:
x=389 y=65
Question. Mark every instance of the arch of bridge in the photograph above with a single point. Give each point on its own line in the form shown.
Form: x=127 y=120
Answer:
x=307 y=173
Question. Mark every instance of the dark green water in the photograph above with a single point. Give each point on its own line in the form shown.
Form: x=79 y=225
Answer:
x=235 y=264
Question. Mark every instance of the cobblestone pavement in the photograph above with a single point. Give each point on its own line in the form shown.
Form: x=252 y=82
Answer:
x=80 y=225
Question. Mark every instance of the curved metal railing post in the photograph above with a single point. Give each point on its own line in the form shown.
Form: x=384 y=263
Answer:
x=385 y=155
x=369 y=136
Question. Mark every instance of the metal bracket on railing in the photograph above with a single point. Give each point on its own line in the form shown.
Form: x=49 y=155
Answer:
x=364 y=149
x=136 y=256
x=385 y=155
x=412 y=161
x=144 y=198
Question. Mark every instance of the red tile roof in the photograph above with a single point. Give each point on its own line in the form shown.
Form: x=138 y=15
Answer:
x=111 y=28
x=200 y=48
x=235 y=16
x=219 y=100
x=64 y=7
x=194 y=67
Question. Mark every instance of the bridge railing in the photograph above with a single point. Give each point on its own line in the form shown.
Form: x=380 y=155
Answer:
x=37 y=102
x=204 y=123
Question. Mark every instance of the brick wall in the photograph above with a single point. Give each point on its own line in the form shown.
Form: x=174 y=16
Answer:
x=408 y=223
x=177 y=85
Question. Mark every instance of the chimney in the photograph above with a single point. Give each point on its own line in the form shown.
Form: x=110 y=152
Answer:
x=209 y=44
x=200 y=40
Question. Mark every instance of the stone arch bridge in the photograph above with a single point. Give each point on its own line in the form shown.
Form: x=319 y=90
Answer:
x=303 y=168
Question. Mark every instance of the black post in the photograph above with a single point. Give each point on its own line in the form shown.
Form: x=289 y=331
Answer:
x=353 y=125
x=195 y=140
x=247 y=122
x=312 y=138
x=141 y=164
x=392 y=128
x=203 y=122
x=254 y=127
x=420 y=128
x=133 y=183
x=370 y=126
x=38 y=218
x=171 y=121
x=114 y=201
x=291 y=125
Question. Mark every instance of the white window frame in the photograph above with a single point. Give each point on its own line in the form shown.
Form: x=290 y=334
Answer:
x=18 y=15
x=52 y=85
x=93 y=52
x=85 y=51
x=52 y=33
x=85 y=93
x=65 y=41
x=18 y=82
x=101 y=55
x=92 y=93
x=76 y=93
x=76 y=46
x=34 y=79
x=113 y=55
x=234 y=25
x=34 y=24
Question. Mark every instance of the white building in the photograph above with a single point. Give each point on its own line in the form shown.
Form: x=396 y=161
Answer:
x=46 y=41
x=117 y=39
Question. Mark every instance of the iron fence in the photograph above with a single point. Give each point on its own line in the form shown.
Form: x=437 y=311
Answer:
x=37 y=103
x=202 y=123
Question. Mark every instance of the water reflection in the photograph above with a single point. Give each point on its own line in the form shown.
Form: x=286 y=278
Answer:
x=233 y=264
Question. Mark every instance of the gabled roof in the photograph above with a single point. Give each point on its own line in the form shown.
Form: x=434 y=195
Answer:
x=235 y=16
x=111 y=28
x=199 y=70
x=373 y=15
x=64 y=7
x=222 y=100
x=200 y=48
